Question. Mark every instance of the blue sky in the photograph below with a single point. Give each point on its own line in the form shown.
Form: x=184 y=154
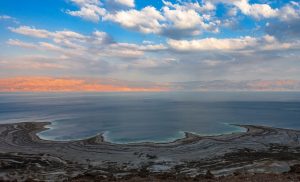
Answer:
x=154 y=41
x=49 y=14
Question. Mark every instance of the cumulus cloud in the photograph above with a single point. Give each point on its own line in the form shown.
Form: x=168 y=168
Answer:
x=191 y=41
x=213 y=44
x=287 y=12
x=287 y=27
x=290 y=12
x=231 y=44
x=256 y=10
x=181 y=19
x=88 y=9
x=188 y=19
x=146 y=20
x=95 y=46
x=195 y=58
x=128 y=3
x=153 y=47
x=184 y=16
x=173 y=20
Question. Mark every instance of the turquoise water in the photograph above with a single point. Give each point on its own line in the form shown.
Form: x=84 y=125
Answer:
x=157 y=117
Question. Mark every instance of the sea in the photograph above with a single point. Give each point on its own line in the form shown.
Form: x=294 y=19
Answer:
x=149 y=117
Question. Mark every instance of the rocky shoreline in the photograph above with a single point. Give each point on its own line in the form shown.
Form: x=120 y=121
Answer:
x=261 y=153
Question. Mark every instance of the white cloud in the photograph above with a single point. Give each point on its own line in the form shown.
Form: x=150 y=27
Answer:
x=232 y=11
x=50 y=47
x=85 y=2
x=42 y=33
x=33 y=63
x=151 y=63
x=287 y=27
x=271 y=43
x=127 y=50
x=153 y=47
x=89 y=10
x=147 y=42
x=9 y=18
x=6 y=17
x=189 y=17
x=146 y=20
x=45 y=46
x=232 y=44
x=128 y=3
x=19 y=43
x=290 y=12
x=94 y=46
x=100 y=38
x=212 y=44
x=31 y=31
x=256 y=10
x=205 y=6
x=181 y=19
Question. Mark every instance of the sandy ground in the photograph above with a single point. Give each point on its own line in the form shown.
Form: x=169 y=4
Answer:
x=260 y=154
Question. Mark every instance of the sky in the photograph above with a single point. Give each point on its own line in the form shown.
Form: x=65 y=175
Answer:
x=147 y=45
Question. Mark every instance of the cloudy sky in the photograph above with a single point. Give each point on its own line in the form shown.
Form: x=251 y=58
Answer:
x=147 y=45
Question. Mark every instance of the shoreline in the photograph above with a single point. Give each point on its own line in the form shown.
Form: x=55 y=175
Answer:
x=186 y=135
x=260 y=150
x=181 y=135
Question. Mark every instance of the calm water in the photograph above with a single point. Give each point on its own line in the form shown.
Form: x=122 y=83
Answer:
x=134 y=117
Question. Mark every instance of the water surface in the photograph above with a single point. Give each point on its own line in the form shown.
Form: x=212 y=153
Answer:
x=158 y=117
